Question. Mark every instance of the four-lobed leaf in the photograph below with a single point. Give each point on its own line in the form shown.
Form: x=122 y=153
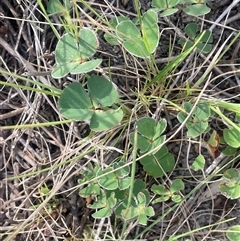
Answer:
x=76 y=104
x=149 y=133
x=140 y=211
x=197 y=122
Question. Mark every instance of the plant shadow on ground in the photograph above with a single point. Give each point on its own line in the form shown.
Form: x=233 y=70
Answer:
x=153 y=156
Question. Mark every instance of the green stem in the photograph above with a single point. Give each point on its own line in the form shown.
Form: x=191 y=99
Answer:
x=133 y=170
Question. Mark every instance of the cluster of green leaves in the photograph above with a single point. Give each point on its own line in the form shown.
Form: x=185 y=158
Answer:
x=168 y=193
x=98 y=103
x=142 y=41
x=110 y=189
x=190 y=7
x=197 y=122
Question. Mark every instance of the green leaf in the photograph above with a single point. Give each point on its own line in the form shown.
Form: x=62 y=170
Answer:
x=105 y=120
x=102 y=92
x=122 y=175
x=142 y=142
x=146 y=127
x=197 y=10
x=124 y=183
x=155 y=165
x=160 y=189
x=139 y=186
x=203 y=45
x=136 y=47
x=102 y=213
x=161 y=5
x=163 y=198
x=129 y=213
x=127 y=30
x=86 y=66
x=204 y=48
x=88 y=43
x=150 y=132
x=62 y=70
x=160 y=128
x=172 y=3
x=73 y=51
x=232 y=137
x=124 y=171
x=109 y=180
x=207 y=37
x=177 y=185
x=91 y=189
x=141 y=212
x=168 y=12
x=198 y=163
x=68 y=4
x=229 y=151
x=112 y=38
x=74 y=103
x=164 y=4
x=197 y=123
x=176 y=198
x=233 y=233
x=150 y=30
x=67 y=50
x=135 y=43
x=191 y=30
x=231 y=186
x=54 y=6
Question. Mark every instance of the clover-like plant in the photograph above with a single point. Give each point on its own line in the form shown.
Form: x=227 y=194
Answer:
x=197 y=123
x=104 y=184
x=122 y=196
x=141 y=211
x=110 y=189
x=72 y=53
x=191 y=31
x=168 y=193
x=230 y=187
x=104 y=205
x=98 y=106
x=231 y=134
x=140 y=41
x=148 y=138
x=114 y=179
